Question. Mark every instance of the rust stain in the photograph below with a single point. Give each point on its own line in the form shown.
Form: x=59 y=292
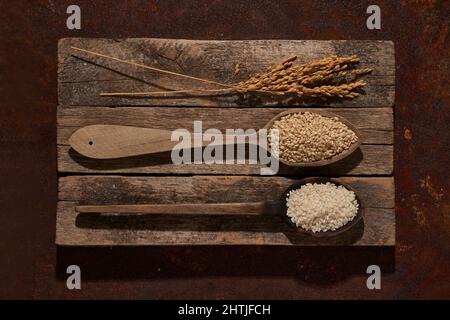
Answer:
x=420 y=216
x=446 y=211
x=433 y=191
x=407 y=134
x=402 y=248
x=154 y=6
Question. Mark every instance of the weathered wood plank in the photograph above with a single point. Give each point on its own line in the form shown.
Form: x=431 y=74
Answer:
x=368 y=160
x=81 y=77
x=73 y=229
x=374 y=192
x=376 y=124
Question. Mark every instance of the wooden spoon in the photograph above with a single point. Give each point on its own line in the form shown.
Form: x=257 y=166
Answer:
x=245 y=209
x=116 y=141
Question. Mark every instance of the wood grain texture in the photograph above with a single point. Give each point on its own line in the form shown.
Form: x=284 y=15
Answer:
x=231 y=208
x=82 y=77
x=376 y=195
x=374 y=191
x=375 y=156
x=368 y=160
x=106 y=141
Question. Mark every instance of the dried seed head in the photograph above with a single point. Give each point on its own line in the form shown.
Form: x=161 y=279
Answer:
x=325 y=78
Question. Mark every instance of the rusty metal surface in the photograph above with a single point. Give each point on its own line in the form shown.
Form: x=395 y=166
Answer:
x=32 y=267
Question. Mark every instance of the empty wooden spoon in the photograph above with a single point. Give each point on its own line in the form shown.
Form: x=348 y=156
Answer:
x=245 y=209
x=116 y=141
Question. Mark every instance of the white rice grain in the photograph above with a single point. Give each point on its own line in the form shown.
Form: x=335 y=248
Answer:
x=321 y=207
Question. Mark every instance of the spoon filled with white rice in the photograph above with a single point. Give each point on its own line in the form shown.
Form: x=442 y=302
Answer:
x=322 y=207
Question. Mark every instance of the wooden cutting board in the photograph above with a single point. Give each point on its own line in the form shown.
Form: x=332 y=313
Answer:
x=154 y=179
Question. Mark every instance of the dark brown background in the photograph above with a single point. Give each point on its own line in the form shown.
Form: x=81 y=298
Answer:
x=32 y=267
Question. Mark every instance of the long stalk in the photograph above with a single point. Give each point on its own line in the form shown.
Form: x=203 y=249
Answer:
x=153 y=68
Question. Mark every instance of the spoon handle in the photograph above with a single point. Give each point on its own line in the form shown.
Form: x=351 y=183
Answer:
x=244 y=208
x=115 y=141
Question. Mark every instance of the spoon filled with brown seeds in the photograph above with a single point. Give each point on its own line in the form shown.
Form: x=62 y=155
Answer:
x=312 y=138
x=306 y=138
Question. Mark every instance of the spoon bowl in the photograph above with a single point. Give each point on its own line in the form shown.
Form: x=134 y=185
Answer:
x=321 y=234
x=323 y=162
